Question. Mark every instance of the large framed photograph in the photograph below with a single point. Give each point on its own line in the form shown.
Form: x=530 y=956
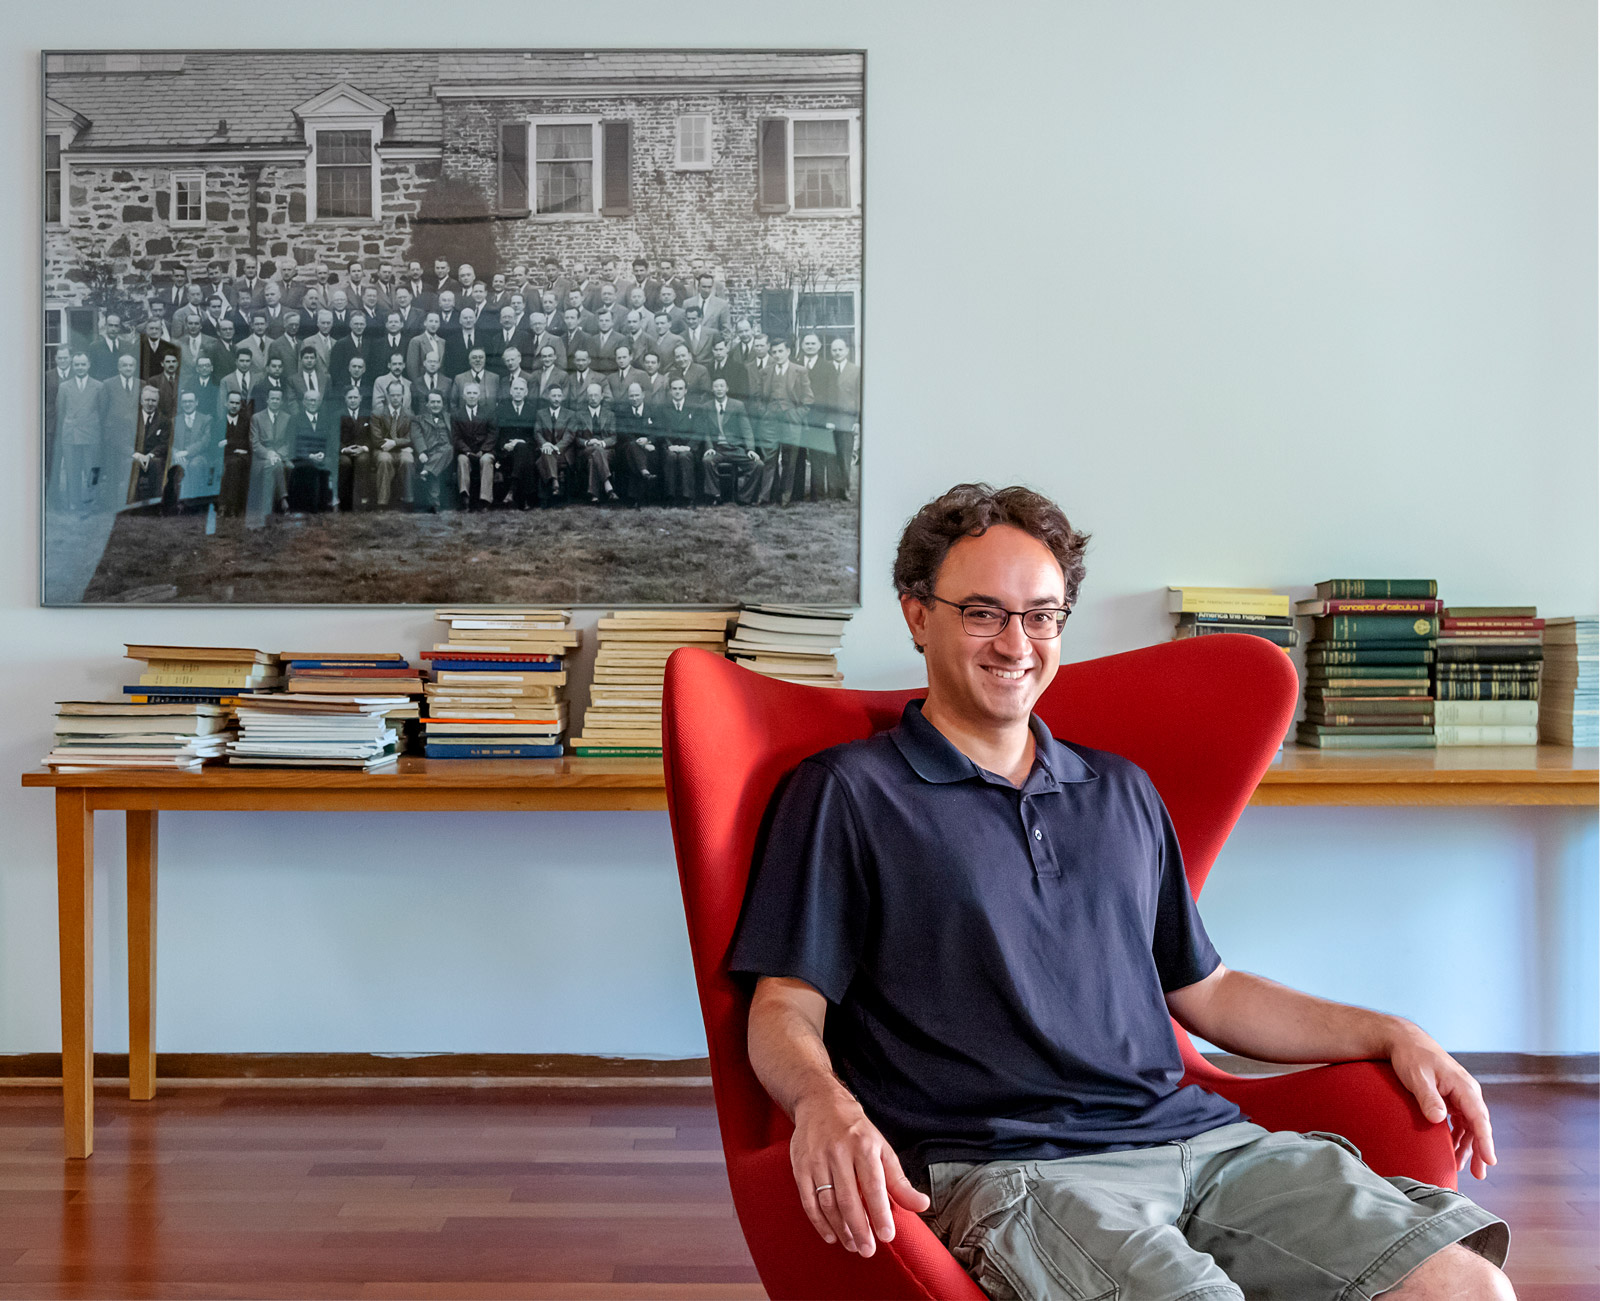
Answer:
x=572 y=327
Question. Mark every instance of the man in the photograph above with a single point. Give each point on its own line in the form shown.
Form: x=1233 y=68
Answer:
x=663 y=342
x=353 y=347
x=460 y=342
x=694 y=375
x=474 y=438
x=235 y=490
x=443 y=281
x=786 y=397
x=427 y=344
x=422 y=292
x=257 y=341
x=550 y=375
x=78 y=417
x=624 y=377
x=583 y=374
x=431 y=452
x=176 y=294
x=723 y=367
x=477 y=372
x=193 y=343
x=730 y=443
x=108 y=345
x=697 y=337
x=667 y=305
x=119 y=421
x=358 y=464
x=202 y=382
x=55 y=380
x=395 y=370
x=270 y=453
x=594 y=439
x=155 y=348
x=394 y=338
x=243 y=378
x=152 y=441
x=286 y=347
x=842 y=404
x=309 y=378
x=445 y=305
x=322 y=341
x=166 y=385
x=339 y=308
x=191 y=305
x=518 y=449
x=553 y=437
x=540 y=337
x=678 y=424
x=273 y=309
x=506 y=336
x=391 y=440
x=215 y=314
x=431 y=382
x=245 y=290
x=572 y=332
x=575 y=320
x=636 y=331
x=999 y=1054
x=405 y=305
x=272 y=382
x=639 y=454
x=605 y=341
x=374 y=309
x=717 y=313
x=511 y=365
x=195 y=470
x=313 y=454
x=655 y=380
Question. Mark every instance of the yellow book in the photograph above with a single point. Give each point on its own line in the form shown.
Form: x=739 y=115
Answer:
x=1226 y=600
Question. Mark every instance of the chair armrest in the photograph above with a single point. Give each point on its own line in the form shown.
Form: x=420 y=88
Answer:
x=1361 y=1101
x=795 y=1263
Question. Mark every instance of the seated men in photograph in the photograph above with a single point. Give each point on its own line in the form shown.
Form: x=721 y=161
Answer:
x=152 y=443
x=431 y=452
x=234 y=493
x=517 y=419
x=195 y=469
x=202 y=382
x=355 y=382
x=723 y=366
x=970 y=940
x=391 y=440
x=553 y=434
x=394 y=339
x=730 y=443
x=640 y=460
x=475 y=439
x=594 y=439
x=313 y=456
x=358 y=461
x=270 y=454
x=678 y=424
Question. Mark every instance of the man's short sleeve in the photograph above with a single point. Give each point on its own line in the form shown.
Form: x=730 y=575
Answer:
x=805 y=911
x=1182 y=949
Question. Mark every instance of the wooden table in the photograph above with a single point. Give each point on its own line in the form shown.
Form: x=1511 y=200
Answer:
x=1543 y=775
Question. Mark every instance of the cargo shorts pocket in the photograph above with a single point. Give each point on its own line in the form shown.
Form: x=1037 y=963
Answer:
x=1340 y=1139
x=1015 y=1250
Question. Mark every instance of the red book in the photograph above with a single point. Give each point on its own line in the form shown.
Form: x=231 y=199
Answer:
x=1495 y=625
x=1368 y=605
x=353 y=673
x=525 y=656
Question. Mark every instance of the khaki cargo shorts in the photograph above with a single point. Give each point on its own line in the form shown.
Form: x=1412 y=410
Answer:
x=1238 y=1211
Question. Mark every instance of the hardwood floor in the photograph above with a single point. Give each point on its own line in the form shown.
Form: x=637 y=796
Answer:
x=513 y=1192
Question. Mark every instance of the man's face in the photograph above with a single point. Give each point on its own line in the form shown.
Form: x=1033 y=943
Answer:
x=113 y=324
x=476 y=358
x=811 y=346
x=465 y=275
x=479 y=293
x=511 y=359
x=64 y=359
x=152 y=328
x=430 y=363
x=663 y=324
x=402 y=299
x=624 y=359
x=635 y=394
x=594 y=395
x=235 y=401
x=274 y=400
x=519 y=390
x=679 y=390
x=358 y=367
x=311 y=403
x=216 y=306
x=652 y=363
x=669 y=295
x=308 y=361
x=369 y=297
x=570 y=316
x=436 y=403
x=780 y=352
x=988 y=681
x=692 y=316
x=241 y=362
x=397 y=364
x=554 y=395
x=508 y=319
x=125 y=365
x=707 y=284
x=680 y=357
x=635 y=299
x=80 y=366
x=272 y=293
x=147 y=402
x=719 y=350
x=191 y=326
x=441 y=269
x=324 y=322
x=469 y=318
x=447 y=302
x=396 y=322
x=202 y=368
x=187 y=403
x=760 y=345
x=274 y=368
x=312 y=300
x=839 y=350
x=519 y=305
x=225 y=329
x=499 y=282
x=547 y=302
x=352 y=401
x=605 y=321
x=580 y=360
x=291 y=325
x=358 y=325
x=719 y=389
x=430 y=322
x=339 y=300
x=169 y=366
x=258 y=326
x=547 y=356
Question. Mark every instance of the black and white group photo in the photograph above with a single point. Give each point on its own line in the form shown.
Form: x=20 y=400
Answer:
x=575 y=327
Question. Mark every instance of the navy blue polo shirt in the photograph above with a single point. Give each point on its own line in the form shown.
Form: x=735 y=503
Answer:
x=995 y=958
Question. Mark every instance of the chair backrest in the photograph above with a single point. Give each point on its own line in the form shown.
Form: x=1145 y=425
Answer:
x=1203 y=717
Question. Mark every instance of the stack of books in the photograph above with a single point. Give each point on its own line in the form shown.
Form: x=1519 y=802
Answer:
x=498 y=685
x=315 y=731
x=1569 y=700
x=94 y=734
x=1487 y=676
x=798 y=643
x=624 y=715
x=1258 y=611
x=1369 y=664
x=335 y=673
x=201 y=674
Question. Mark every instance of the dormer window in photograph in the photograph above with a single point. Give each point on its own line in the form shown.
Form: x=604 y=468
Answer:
x=343 y=128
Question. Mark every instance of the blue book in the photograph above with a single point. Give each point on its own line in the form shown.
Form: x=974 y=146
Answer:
x=346 y=664
x=500 y=666
x=191 y=693
x=492 y=750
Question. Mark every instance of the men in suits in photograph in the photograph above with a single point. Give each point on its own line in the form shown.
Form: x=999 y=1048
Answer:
x=431 y=453
x=54 y=378
x=107 y=346
x=166 y=385
x=723 y=367
x=433 y=380
x=446 y=307
x=258 y=342
x=273 y=308
x=194 y=344
x=355 y=346
x=271 y=452
x=511 y=366
x=443 y=281
x=245 y=291
x=176 y=293
x=477 y=372
x=355 y=381
x=622 y=378
x=195 y=471
x=786 y=397
x=393 y=338
x=575 y=320
x=506 y=335
x=594 y=439
x=192 y=304
x=321 y=341
x=640 y=459
x=235 y=488
x=655 y=379
x=474 y=438
x=460 y=342
x=695 y=376
x=152 y=440
x=374 y=309
x=227 y=344
x=396 y=370
x=119 y=417
x=663 y=341
x=554 y=433
x=391 y=440
x=358 y=465
x=583 y=374
x=340 y=310
x=154 y=349
x=716 y=313
x=405 y=305
x=668 y=306
x=272 y=382
x=217 y=311
x=517 y=422
x=729 y=442
x=604 y=342
x=313 y=456
x=697 y=337
x=243 y=378
x=427 y=344
x=309 y=378
x=286 y=347
x=540 y=337
x=207 y=389
x=819 y=441
x=840 y=388
x=549 y=375
x=78 y=418
x=423 y=293
x=677 y=422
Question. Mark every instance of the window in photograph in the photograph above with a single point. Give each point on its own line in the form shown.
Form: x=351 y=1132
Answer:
x=189 y=199
x=822 y=164
x=829 y=315
x=514 y=167
x=694 y=142
x=344 y=174
x=565 y=154
x=52 y=180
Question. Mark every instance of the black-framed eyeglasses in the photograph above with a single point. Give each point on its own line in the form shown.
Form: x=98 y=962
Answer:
x=1043 y=623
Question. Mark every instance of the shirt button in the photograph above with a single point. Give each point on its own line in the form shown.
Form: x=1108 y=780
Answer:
x=1037 y=834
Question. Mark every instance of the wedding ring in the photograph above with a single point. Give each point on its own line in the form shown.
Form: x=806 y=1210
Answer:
x=822 y=1188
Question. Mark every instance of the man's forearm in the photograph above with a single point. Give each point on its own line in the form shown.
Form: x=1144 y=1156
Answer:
x=789 y=1057
x=1255 y=1017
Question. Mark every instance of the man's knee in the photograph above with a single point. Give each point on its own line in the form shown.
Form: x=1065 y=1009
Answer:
x=1454 y=1274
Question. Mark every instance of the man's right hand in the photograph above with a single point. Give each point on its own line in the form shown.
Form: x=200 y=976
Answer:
x=847 y=1173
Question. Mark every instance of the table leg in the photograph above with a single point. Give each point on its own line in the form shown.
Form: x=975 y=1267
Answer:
x=141 y=954
x=75 y=904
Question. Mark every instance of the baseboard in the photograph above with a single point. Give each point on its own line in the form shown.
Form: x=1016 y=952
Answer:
x=579 y=1070
x=563 y=1069
x=1486 y=1068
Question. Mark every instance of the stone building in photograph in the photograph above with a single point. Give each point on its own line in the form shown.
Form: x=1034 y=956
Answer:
x=160 y=163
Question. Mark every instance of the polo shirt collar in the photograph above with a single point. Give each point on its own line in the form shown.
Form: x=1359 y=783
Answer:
x=933 y=758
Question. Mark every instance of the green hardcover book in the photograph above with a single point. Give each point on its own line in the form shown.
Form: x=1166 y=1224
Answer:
x=1357 y=588
x=1490 y=689
x=616 y=752
x=1410 y=642
x=1318 y=672
x=1479 y=713
x=1367 y=729
x=1456 y=669
x=1388 y=627
x=1377 y=693
x=1345 y=741
x=1316 y=655
x=1422 y=705
x=1450 y=652
x=1369 y=720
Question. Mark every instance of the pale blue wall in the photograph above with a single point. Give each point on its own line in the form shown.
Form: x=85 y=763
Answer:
x=1302 y=290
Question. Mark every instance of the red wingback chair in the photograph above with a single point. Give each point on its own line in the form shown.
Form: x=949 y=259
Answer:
x=1203 y=717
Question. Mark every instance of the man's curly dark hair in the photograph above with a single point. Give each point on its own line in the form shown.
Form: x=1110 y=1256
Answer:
x=969 y=510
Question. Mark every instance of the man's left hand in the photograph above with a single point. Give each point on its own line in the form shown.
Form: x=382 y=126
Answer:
x=1445 y=1091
